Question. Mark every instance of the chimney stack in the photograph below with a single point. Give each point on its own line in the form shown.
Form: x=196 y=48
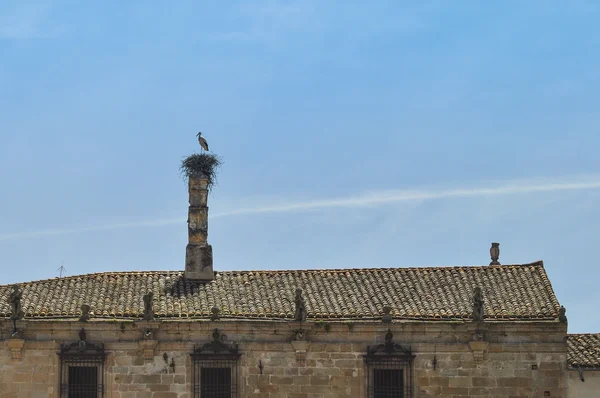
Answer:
x=198 y=253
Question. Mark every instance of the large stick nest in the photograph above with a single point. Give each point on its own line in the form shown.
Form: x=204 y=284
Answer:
x=201 y=163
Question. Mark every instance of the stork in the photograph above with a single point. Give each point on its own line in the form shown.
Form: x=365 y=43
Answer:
x=202 y=141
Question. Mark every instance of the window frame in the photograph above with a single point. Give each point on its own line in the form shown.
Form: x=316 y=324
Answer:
x=81 y=354
x=215 y=354
x=389 y=356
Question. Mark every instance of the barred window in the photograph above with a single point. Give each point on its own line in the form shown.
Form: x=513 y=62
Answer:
x=389 y=370
x=215 y=377
x=215 y=369
x=81 y=369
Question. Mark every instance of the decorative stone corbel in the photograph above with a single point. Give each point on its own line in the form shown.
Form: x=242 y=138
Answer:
x=478 y=347
x=300 y=345
x=147 y=348
x=15 y=346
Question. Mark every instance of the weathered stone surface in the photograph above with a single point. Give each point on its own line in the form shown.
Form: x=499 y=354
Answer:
x=333 y=367
x=198 y=262
x=198 y=253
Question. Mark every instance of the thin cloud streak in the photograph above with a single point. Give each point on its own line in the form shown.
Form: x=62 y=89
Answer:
x=373 y=199
x=390 y=197
x=109 y=227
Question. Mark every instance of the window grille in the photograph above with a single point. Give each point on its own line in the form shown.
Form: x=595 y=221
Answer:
x=81 y=369
x=215 y=369
x=389 y=370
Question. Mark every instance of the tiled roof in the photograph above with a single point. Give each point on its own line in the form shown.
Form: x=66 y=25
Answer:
x=583 y=350
x=511 y=292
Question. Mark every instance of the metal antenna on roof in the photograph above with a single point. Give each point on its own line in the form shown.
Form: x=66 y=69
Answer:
x=62 y=269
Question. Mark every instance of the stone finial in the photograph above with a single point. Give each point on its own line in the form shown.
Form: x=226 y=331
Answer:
x=562 y=317
x=300 y=313
x=389 y=337
x=14 y=299
x=477 y=305
x=387 y=316
x=495 y=253
x=215 y=313
x=148 y=304
x=388 y=347
x=85 y=313
x=218 y=345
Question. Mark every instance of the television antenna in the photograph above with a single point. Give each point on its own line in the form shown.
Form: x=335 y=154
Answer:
x=61 y=269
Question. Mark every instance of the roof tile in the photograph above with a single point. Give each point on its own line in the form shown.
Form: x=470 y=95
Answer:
x=583 y=350
x=434 y=293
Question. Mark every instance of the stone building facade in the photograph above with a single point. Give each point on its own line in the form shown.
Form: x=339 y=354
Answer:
x=518 y=349
x=477 y=331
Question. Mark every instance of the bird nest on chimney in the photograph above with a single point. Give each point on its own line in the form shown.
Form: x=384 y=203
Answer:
x=201 y=163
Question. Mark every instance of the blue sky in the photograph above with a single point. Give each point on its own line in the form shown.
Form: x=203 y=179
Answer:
x=354 y=135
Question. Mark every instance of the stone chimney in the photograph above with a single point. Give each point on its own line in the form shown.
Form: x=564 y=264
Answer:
x=198 y=253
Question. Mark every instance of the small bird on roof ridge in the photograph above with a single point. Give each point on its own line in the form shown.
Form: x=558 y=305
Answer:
x=202 y=141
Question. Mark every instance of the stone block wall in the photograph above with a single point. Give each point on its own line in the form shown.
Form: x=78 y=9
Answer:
x=518 y=360
x=31 y=372
x=589 y=388
x=165 y=375
x=327 y=370
x=516 y=371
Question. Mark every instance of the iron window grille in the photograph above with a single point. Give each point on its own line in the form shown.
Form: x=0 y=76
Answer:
x=215 y=369
x=389 y=370
x=81 y=369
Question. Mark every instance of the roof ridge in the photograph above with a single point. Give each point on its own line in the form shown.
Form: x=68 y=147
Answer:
x=69 y=277
x=287 y=271
x=584 y=334
x=425 y=267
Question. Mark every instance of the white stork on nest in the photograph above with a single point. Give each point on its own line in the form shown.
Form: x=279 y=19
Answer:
x=202 y=141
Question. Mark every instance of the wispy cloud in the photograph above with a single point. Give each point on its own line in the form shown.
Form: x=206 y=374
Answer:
x=78 y=230
x=371 y=199
x=391 y=197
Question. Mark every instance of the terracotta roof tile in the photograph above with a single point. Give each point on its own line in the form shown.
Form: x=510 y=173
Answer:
x=583 y=350
x=511 y=292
